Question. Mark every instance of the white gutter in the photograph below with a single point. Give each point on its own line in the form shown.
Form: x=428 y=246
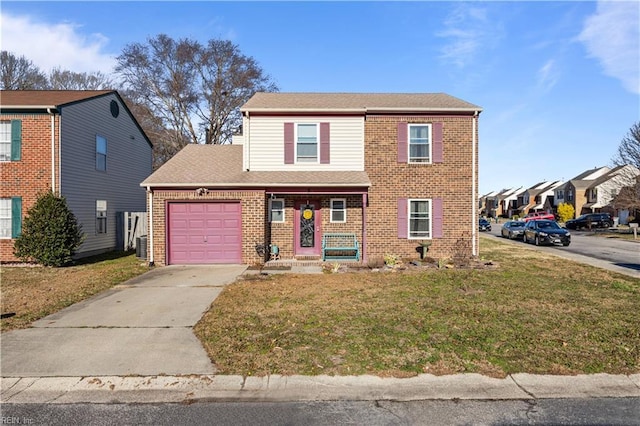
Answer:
x=150 y=226
x=53 y=150
x=474 y=192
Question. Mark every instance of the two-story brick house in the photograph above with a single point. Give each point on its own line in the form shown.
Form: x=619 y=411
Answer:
x=84 y=145
x=393 y=169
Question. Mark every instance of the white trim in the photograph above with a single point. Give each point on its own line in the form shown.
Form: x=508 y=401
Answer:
x=474 y=192
x=430 y=142
x=343 y=210
x=150 y=222
x=430 y=201
x=271 y=201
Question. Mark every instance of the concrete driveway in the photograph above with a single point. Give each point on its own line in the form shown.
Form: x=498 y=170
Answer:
x=141 y=327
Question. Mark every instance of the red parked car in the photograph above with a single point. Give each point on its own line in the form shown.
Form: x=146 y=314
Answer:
x=539 y=216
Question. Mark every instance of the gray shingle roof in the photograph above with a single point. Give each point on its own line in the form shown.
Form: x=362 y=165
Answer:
x=221 y=166
x=357 y=102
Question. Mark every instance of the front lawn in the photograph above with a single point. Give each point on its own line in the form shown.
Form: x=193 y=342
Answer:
x=535 y=313
x=34 y=292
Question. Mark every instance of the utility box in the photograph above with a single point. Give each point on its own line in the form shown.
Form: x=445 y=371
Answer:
x=141 y=247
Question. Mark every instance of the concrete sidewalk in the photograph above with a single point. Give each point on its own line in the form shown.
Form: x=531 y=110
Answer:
x=142 y=327
x=180 y=389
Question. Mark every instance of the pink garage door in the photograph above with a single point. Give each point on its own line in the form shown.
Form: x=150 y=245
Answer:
x=204 y=233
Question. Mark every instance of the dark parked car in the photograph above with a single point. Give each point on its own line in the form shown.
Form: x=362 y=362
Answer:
x=513 y=229
x=546 y=232
x=591 y=220
x=484 y=225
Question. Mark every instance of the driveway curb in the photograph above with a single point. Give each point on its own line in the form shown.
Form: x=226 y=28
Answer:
x=276 y=388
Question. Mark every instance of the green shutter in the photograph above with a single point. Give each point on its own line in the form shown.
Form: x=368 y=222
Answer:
x=16 y=217
x=16 y=139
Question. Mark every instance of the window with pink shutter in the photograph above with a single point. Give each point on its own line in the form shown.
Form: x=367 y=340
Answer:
x=325 y=143
x=289 y=147
x=402 y=143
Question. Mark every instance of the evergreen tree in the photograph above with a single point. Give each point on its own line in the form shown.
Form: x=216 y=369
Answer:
x=50 y=233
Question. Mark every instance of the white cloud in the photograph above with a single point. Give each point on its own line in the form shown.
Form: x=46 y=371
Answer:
x=612 y=36
x=468 y=30
x=547 y=76
x=55 y=45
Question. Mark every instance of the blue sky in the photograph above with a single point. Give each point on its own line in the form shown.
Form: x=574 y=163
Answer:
x=559 y=82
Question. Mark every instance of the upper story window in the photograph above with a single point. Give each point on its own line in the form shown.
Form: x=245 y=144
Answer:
x=276 y=210
x=10 y=140
x=419 y=143
x=419 y=219
x=569 y=195
x=307 y=143
x=5 y=141
x=560 y=194
x=593 y=194
x=101 y=216
x=338 y=210
x=101 y=153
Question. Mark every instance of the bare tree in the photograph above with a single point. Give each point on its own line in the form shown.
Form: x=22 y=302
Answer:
x=194 y=90
x=19 y=73
x=60 y=79
x=628 y=154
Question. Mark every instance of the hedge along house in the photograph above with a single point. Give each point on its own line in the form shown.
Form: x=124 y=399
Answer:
x=83 y=144
x=393 y=170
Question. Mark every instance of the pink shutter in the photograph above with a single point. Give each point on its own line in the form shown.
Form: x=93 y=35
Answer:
x=289 y=148
x=403 y=155
x=402 y=218
x=325 y=143
x=437 y=213
x=437 y=143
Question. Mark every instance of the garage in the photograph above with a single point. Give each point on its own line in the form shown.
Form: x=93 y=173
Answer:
x=204 y=233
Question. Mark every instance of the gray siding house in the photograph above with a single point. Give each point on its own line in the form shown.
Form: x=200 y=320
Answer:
x=85 y=145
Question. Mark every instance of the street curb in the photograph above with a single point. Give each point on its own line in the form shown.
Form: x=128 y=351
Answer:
x=277 y=388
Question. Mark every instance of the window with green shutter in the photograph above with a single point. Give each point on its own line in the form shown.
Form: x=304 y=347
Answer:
x=16 y=217
x=16 y=140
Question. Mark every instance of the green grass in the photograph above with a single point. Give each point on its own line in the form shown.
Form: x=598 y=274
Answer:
x=35 y=292
x=535 y=313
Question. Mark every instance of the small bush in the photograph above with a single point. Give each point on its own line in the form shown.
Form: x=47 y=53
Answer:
x=565 y=212
x=50 y=233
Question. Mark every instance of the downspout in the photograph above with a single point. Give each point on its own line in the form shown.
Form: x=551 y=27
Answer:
x=474 y=192
x=247 y=141
x=53 y=150
x=150 y=226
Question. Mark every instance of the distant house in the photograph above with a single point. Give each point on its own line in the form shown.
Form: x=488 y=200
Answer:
x=393 y=171
x=533 y=199
x=604 y=189
x=489 y=204
x=574 y=191
x=84 y=145
x=508 y=202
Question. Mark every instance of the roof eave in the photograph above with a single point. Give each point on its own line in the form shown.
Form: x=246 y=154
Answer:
x=252 y=184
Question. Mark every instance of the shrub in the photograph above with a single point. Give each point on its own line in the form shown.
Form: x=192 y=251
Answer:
x=50 y=233
x=565 y=212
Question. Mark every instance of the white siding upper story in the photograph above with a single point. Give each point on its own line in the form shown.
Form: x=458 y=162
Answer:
x=263 y=142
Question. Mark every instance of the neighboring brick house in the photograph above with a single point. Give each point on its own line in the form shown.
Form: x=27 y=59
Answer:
x=574 y=191
x=393 y=169
x=84 y=145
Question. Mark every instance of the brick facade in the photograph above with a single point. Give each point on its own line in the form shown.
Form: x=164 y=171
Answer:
x=31 y=175
x=452 y=180
x=253 y=219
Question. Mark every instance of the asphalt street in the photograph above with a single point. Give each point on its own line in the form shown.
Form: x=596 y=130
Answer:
x=615 y=254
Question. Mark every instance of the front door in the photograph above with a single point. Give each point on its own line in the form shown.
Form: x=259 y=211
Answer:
x=307 y=233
